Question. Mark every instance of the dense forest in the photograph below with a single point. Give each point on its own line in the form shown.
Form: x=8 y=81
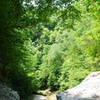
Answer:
x=48 y=43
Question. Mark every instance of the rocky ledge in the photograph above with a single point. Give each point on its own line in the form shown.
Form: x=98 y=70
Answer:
x=7 y=93
x=88 y=89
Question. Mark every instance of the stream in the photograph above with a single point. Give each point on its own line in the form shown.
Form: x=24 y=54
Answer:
x=45 y=95
x=41 y=97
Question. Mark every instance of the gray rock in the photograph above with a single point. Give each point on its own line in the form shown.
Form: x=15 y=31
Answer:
x=7 y=93
x=88 y=89
x=38 y=97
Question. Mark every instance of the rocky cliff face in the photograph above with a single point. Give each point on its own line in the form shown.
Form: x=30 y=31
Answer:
x=8 y=94
x=88 y=89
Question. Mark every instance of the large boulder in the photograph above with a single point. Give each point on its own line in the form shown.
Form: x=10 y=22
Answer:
x=7 y=93
x=88 y=89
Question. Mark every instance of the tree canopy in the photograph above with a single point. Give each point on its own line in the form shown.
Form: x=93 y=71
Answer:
x=48 y=43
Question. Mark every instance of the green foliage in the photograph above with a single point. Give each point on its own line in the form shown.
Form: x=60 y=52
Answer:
x=16 y=57
x=49 y=44
x=69 y=55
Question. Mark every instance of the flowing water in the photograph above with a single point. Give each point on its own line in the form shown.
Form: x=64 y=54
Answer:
x=49 y=96
x=41 y=97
